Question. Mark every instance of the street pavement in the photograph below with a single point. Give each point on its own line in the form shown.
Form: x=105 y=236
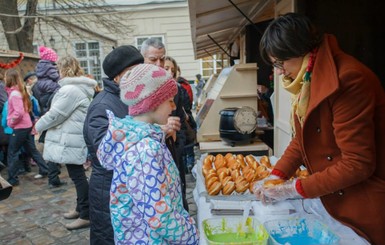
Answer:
x=33 y=214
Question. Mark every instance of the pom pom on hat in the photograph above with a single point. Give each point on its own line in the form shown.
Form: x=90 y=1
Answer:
x=120 y=58
x=145 y=87
x=47 y=54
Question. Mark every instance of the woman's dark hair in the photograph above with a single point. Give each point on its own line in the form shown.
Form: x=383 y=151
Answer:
x=289 y=36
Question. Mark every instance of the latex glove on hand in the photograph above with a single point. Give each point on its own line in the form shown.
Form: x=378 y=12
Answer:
x=258 y=186
x=280 y=192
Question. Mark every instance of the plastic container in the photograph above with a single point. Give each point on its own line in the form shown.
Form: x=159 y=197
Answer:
x=231 y=231
x=300 y=232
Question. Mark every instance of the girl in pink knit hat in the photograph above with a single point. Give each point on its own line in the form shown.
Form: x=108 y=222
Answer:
x=146 y=195
x=47 y=78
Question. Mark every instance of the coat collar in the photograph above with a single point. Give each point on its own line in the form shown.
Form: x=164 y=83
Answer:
x=324 y=80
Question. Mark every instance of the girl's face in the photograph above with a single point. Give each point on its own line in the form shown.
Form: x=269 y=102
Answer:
x=163 y=111
x=288 y=68
x=169 y=66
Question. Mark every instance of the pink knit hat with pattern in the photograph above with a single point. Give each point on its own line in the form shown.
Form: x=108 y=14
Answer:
x=47 y=54
x=145 y=87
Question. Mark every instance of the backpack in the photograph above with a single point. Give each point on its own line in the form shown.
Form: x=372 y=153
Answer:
x=187 y=87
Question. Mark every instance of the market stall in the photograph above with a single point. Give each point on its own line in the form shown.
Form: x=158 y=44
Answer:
x=227 y=120
x=233 y=206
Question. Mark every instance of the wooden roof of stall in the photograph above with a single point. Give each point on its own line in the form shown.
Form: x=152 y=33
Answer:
x=223 y=21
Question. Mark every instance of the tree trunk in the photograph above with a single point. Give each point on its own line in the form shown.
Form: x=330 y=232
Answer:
x=19 y=37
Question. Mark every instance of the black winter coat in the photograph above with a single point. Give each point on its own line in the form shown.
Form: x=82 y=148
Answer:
x=95 y=128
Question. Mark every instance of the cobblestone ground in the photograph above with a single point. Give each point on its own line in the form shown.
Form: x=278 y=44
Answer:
x=33 y=214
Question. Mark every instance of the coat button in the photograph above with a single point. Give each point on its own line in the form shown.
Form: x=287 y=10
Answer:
x=329 y=158
x=318 y=130
x=341 y=192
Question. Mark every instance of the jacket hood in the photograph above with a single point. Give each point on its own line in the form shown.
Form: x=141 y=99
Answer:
x=13 y=88
x=126 y=133
x=42 y=68
x=110 y=86
x=87 y=85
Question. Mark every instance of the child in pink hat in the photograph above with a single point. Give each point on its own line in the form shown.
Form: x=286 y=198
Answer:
x=146 y=195
x=47 y=78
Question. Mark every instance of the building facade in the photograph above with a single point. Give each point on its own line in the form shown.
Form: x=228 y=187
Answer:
x=90 y=41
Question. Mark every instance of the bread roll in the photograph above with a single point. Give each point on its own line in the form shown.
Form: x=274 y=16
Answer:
x=249 y=159
x=260 y=169
x=228 y=188
x=219 y=161
x=211 y=181
x=273 y=182
x=302 y=174
x=224 y=170
x=249 y=173
x=251 y=187
x=207 y=171
x=209 y=159
x=262 y=175
x=233 y=164
x=225 y=180
x=229 y=156
x=235 y=174
x=214 y=189
x=241 y=184
x=265 y=161
x=241 y=160
x=211 y=174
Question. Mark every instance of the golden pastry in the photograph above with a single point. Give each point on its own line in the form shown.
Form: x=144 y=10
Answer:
x=273 y=182
x=228 y=188
x=265 y=161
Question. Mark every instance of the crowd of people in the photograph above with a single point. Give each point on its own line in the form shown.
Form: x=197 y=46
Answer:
x=60 y=106
x=138 y=133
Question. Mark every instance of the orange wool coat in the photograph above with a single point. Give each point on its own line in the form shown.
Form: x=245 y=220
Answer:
x=342 y=142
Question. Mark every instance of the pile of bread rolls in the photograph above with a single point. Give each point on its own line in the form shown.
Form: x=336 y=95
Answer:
x=233 y=173
x=236 y=173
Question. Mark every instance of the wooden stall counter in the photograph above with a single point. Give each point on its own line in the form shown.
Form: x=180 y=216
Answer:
x=257 y=148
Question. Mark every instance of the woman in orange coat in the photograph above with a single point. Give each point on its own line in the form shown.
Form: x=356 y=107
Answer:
x=338 y=115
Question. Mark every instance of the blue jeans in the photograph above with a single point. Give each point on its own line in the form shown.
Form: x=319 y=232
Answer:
x=22 y=138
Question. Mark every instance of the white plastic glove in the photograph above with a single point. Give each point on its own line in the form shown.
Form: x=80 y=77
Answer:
x=280 y=192
x=258 y=186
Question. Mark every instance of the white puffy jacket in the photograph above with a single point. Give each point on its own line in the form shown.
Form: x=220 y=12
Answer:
x=64 y=142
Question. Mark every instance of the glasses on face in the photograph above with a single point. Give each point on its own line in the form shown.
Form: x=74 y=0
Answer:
x=278 y=64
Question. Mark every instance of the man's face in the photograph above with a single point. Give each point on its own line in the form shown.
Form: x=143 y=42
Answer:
x=155 y=56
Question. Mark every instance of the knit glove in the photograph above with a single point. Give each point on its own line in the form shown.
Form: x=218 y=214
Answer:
x=280 y=192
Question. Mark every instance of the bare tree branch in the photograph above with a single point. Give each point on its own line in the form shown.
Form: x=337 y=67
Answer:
x=78 y=17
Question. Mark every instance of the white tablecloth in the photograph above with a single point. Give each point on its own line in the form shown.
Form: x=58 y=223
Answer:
x=304 y=208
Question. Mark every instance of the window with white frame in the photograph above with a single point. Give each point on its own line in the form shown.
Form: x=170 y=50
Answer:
x=213 y=65
x=88 y=55
x=139 y=40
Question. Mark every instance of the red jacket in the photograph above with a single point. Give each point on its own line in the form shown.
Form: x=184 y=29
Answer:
x=342 y=142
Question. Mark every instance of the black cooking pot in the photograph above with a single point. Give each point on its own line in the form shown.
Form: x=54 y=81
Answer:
x=228 y=132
